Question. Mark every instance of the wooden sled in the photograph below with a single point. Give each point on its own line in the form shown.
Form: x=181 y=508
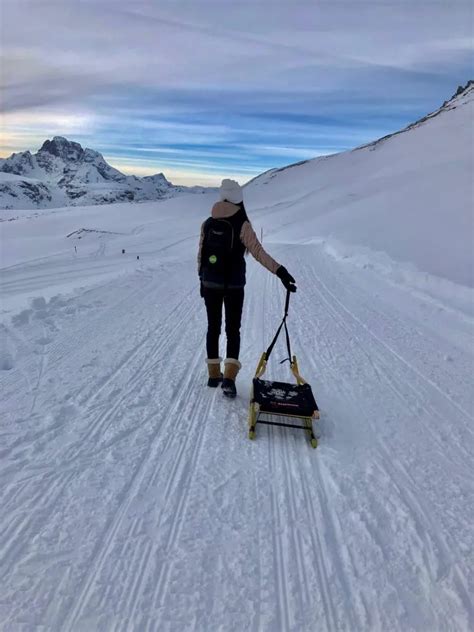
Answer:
x=272 y=399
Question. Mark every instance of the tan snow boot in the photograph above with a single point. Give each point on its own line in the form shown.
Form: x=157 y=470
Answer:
x=214 y=369
x=231 y=369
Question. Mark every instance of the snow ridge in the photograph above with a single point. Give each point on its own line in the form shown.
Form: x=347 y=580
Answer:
x=391 y=197
x=462 y=96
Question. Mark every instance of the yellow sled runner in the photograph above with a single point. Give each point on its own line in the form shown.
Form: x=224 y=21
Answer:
x=271 y=399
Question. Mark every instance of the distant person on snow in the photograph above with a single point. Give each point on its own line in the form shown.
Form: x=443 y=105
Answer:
x=226 y=236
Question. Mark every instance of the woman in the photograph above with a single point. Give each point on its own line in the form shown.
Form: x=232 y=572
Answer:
x=225 y=238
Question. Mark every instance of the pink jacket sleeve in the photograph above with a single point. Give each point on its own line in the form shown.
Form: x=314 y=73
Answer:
x=251 y=242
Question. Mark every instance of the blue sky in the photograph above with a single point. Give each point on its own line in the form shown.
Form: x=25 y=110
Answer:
x=208 y=89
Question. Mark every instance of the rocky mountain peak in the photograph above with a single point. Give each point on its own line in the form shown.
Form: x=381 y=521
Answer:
x=90 y=155
x=19 y=163
x=462 y=91
x=62 y=148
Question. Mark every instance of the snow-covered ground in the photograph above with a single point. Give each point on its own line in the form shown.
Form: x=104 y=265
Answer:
x=130 y=496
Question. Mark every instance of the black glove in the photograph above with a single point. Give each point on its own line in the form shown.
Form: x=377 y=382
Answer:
x=286 y=278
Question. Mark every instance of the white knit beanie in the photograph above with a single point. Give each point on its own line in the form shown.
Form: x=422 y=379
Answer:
x=231 y=191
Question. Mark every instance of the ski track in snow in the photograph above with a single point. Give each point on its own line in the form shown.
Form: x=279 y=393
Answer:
x=132 y=500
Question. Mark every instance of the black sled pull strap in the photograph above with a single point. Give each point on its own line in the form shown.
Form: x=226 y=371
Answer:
x=287 y=345
x=282 y=324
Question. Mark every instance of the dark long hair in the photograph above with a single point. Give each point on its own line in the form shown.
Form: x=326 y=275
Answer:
x=242 y=208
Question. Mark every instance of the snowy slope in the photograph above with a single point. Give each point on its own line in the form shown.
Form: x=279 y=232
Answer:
x=131 y=498
x=65 y=173
x=24 y=193
x=409 y=196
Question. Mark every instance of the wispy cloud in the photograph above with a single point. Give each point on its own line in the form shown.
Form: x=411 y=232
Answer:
x=225 y=87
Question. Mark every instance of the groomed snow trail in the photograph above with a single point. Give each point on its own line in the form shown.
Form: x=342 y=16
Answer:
x=131 y=498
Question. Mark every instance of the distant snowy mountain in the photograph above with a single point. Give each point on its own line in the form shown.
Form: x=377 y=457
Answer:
x=63 y=173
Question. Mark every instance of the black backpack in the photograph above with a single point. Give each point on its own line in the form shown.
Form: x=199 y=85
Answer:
x=217 y=249
x=222 y=253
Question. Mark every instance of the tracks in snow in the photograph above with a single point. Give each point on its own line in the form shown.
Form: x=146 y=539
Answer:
x=138 y=484
x=155 y=512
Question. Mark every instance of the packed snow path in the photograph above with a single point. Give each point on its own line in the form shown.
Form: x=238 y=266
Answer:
x=131 y=498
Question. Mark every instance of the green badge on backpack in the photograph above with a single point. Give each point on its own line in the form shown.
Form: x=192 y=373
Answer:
x=212 y=259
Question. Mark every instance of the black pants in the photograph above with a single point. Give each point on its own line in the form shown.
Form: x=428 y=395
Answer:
x=233 y=301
